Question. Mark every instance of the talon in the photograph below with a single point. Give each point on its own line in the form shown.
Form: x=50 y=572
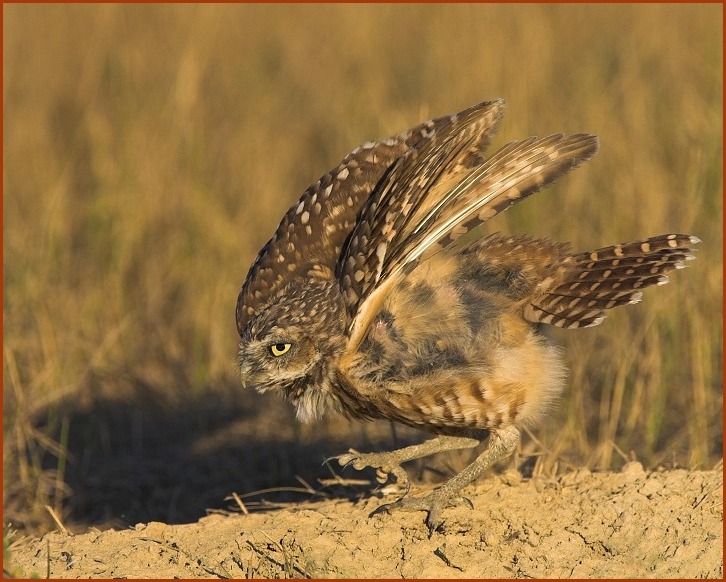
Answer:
x=466 y=501
x=378 y=510
x=343 y=460
x=385 y=508
x=346 y=458
x=434 y=522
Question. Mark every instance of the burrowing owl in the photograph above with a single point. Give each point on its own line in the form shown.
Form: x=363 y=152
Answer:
x=378 y=296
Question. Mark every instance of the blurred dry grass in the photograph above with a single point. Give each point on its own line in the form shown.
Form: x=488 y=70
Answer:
x=149 y=151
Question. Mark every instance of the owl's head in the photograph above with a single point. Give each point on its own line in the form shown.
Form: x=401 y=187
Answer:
x=291 y=344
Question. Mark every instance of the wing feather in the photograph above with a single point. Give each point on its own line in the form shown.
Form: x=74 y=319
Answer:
x=313 y=232
x=430 y=197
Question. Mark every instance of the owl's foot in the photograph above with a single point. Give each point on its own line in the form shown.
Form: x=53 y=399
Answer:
x=385 y=464
x=433 y=503
x=502 y=444
x=390 y=463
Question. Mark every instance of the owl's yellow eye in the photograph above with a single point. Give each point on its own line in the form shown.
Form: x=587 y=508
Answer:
x=279 y=349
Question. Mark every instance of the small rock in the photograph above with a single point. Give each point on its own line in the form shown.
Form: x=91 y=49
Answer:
x=532 y=536
x=633 y=468
x=651 y=487
x=582 y=474
x=489 y=538
x=511 y=477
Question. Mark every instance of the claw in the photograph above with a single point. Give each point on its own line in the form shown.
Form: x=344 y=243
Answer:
x=434 y=521
x=346 y=458
x=385 y=508
x=466 y=501
x=433 y=504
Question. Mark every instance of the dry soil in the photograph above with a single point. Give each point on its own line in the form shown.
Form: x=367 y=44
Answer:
x=627 y=524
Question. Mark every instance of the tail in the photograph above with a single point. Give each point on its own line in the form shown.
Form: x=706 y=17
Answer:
x=584 y=285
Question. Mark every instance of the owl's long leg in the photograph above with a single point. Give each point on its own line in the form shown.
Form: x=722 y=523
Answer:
x=389 y=463
x=502 y=443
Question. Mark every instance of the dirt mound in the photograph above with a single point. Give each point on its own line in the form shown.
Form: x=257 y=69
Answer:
x=627 y=524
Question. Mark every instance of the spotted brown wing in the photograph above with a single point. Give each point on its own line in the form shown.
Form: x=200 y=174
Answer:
x=312 y=232
x=430 y=198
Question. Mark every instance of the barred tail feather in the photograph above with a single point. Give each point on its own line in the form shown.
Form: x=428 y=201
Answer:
x=587 y=284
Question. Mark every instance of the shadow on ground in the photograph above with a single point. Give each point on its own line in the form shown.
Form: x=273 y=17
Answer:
x=140 y=458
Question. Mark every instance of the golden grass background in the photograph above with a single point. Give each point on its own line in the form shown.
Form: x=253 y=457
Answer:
x=150 y=150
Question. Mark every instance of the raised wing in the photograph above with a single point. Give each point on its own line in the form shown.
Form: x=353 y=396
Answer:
x=430 y=198
x=312 y=233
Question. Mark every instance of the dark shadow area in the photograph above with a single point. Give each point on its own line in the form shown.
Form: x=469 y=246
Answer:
x=141 y=458
x=144 y=454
